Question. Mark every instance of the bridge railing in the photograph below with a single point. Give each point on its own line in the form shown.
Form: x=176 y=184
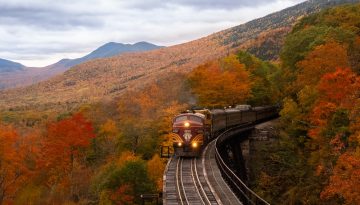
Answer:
x=246 y=195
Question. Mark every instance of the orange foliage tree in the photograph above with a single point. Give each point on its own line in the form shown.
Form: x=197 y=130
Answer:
x=13 y=170
x=62 y=149
x=323 y=59
x=345 y=181
x=337 y=90
x=220 y=83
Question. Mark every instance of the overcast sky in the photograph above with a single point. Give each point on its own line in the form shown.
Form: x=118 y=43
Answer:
x=41 y=32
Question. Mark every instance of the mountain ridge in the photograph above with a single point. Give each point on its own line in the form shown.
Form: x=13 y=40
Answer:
x=28 y=75
x=107 y=50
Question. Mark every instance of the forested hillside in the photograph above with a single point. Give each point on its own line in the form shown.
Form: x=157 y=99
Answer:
x=317 y=158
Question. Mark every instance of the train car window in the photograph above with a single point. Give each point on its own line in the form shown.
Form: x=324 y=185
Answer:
x=181 y=118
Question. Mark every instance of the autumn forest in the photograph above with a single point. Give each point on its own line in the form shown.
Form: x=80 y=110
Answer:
x=108 y=152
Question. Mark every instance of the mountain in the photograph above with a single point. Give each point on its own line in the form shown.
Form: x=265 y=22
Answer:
x=112 y=49
x=108 y=78
x=107 y=50
x=27 y=76
x=10 y=66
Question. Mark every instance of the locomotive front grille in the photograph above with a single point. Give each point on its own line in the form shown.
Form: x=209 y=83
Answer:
x=187 y=135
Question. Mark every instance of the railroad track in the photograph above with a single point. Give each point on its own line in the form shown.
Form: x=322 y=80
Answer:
x=187 y=183
x=196 y=181
x=191 y=185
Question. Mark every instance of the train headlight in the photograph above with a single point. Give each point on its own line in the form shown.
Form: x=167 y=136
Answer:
x=179 y=144
x=187 y=124
x=194 y=144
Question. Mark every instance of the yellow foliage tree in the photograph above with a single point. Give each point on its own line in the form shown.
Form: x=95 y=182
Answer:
x=126 y=156
x=109 y=129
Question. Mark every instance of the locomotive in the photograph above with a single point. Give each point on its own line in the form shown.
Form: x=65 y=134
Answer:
x=192 y=130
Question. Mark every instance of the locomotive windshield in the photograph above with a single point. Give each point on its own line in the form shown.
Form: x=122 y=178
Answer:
x=188 y=117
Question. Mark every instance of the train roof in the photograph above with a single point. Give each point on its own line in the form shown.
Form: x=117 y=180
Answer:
x=264 y=107
x=221 y=111
x=232 y=110
x=217 y=111
x=243 y=107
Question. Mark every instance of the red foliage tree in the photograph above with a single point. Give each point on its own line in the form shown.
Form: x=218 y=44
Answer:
x=62 y=149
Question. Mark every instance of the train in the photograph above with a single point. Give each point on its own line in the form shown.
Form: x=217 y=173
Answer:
x=193 y=129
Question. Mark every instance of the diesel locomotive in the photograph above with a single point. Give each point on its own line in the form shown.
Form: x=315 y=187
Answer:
x=192 y=130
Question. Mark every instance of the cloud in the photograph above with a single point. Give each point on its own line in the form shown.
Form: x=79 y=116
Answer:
x=198 y=4
x=46 y=16
x=40 y=32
